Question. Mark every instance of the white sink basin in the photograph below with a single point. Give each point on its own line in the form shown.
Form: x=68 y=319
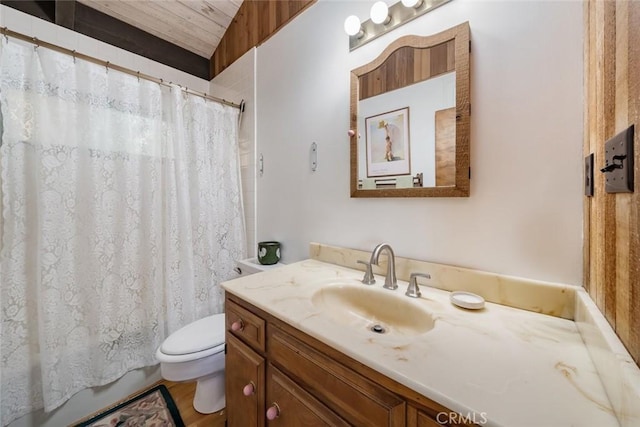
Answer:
x=363 y=307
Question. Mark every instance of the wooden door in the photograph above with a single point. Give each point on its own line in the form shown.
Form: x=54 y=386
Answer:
x=445 y=147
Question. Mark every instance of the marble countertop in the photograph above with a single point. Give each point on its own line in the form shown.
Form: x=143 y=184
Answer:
x=510 y=366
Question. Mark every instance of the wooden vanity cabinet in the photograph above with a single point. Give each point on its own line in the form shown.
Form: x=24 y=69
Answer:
x=279 y=376
x=357 y=399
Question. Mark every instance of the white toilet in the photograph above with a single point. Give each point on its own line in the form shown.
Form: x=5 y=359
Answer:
x=196 y=353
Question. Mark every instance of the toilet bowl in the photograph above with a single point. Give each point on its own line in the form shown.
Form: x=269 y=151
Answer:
x=196 y=353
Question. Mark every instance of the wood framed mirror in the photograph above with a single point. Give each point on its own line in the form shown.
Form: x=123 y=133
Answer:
x=410 y=116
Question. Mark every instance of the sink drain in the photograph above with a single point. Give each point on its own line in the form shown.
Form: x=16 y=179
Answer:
x=378 y=329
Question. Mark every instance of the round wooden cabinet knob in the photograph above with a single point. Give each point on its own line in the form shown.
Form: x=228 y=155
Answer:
x=273 y=412
x=249 y=389
x=237 y=326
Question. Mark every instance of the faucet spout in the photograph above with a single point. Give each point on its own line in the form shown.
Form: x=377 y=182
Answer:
x=390 y=281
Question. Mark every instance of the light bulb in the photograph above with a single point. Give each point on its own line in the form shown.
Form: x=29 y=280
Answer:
x=352 y=25
x=380 y=13
x=412 y=3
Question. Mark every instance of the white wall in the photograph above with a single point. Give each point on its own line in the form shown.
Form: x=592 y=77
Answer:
x=91 y=400
x=524 y=215
x=235 y=83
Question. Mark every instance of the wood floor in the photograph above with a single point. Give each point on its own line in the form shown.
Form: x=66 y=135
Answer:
x=182 y=394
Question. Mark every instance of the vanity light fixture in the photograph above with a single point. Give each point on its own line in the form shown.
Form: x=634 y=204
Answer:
x=412 y=3
x=353 y=27
x=385 y=18
x=380 y=13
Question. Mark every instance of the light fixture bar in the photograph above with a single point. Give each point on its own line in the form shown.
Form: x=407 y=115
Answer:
x=399 y=15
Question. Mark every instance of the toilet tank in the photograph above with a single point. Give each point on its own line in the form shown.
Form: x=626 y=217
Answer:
x=251 y=265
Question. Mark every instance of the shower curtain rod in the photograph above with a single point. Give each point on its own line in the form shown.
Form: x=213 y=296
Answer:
x=9 y=33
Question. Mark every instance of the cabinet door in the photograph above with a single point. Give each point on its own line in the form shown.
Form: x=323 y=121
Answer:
x=294 y=407
x=244 y=385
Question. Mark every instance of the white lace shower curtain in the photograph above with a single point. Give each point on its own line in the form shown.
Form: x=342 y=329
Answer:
x=122 y=213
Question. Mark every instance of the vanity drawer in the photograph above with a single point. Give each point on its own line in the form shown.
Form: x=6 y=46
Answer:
x=245 y=325
x=354 y=398
x=295 y=406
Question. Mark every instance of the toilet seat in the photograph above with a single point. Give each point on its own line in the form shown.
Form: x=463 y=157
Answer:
x=194 y=341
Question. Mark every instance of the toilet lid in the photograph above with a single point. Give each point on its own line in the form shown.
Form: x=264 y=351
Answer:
x=198 y=336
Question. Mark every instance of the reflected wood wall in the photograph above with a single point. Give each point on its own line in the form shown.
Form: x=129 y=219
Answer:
x=612 y=221
x=254 y=23
x=407 y=66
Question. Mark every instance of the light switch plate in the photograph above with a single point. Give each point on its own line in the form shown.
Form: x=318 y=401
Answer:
x=618 y=168
x=588 y=175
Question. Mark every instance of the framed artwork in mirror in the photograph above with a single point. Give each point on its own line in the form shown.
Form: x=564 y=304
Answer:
x=387 y=139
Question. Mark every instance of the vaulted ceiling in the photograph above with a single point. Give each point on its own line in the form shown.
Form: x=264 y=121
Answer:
x=199 y=37
x=194 y=25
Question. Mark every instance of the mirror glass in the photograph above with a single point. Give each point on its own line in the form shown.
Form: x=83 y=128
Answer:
x=410 y=116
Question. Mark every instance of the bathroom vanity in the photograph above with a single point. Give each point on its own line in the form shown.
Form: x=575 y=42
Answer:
x=300 y=350
x=276 y=371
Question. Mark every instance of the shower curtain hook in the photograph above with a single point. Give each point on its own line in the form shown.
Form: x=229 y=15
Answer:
x=107 y=66
x=74 y=55
x=36 y=42
x=6 y=36
x=138 y=76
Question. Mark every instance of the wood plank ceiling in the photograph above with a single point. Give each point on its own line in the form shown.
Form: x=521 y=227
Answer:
x=194 y=25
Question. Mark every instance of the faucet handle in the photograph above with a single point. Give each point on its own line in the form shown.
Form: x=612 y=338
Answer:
x=368 y=278
x=412 y=290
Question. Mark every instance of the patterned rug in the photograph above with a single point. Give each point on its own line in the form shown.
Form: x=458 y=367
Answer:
x=153 y=408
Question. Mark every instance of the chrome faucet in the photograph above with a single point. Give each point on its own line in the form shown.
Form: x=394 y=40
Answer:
x=390 y=280
x=368 y=278
x=413 y=290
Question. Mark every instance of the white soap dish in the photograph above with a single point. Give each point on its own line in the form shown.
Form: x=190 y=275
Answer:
x=467 y=300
